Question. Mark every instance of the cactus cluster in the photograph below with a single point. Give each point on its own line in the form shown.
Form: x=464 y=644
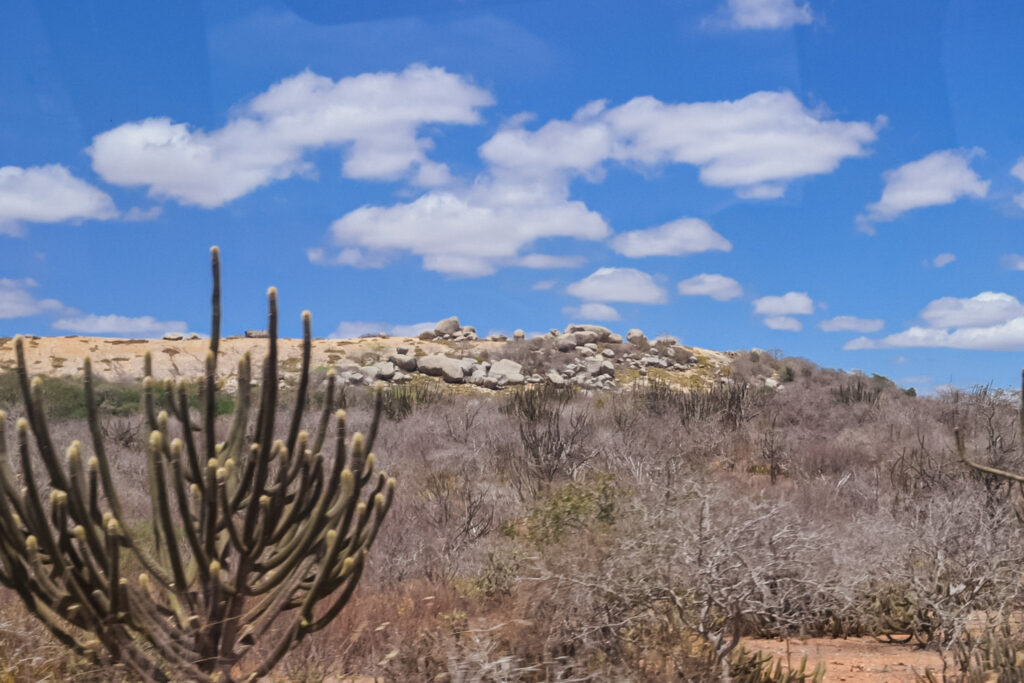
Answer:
x=256 y=542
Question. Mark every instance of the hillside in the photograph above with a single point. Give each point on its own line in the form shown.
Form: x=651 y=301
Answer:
x=587 y=355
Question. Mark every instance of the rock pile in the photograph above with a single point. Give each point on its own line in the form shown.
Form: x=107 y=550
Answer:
x=592 y=357
x=449 y=329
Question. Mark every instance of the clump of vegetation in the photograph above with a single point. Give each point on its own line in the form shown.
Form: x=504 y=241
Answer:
x=246 y=538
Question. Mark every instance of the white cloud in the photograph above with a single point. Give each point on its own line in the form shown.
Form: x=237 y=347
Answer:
x=592 y=310
x=355 y=258
x=756 y=145
x=849 y=323
x=676 y=238
x=1013 y=262
x=988 y=321
x=943 y=260
x=358 y=328
x=1018 y=172
x=472 y=233
x=1008 y=336
x=783 y=322
x=619 y=284
x=768 y=14
x=544 y=285
x=144 y=326
x=48 y=194
x=137 y=214
x=377 y=116
x=542 y=261
x=940 y=178
x=790 y=303
x=17 y=302
x=718 y=287
x=987 y=308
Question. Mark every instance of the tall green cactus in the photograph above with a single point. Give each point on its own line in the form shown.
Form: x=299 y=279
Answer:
x=254 y=540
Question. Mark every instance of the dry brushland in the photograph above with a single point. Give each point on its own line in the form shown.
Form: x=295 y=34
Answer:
x=575 y=506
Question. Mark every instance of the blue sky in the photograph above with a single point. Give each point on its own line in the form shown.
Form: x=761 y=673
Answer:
x=840 y=181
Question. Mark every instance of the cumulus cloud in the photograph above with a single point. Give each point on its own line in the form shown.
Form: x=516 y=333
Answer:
x=544 y=261
x=1013 y=262
x=619 y=284
x=544 y=285
x=592 y=310
x=143 y=326
x=137 y=214
x=376 y=116
x=988 y=321
x=471 y=233
x=1018 y=172
x=358 y=328
x=356 y=258
x=718 y=287
x=48 y=194
x=767 y=14
x=756 y=144
x=676 y=238
x=943 y=260
x=849 y=323
x=986 y=308
x=790 y=303
x=783 y=322
x=17 y=302
x=940 y=178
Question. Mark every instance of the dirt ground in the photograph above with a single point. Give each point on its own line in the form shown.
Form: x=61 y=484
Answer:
x=858 y=660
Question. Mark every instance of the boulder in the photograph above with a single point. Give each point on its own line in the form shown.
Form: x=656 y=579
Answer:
x=369 y=372
x=426 y=335
x=608 y=353
x=507 y=372
x=615 y=339
x=404 y=362
x=635 y=336
x=468 y=365
x=385 y=370
x=554 y=378
x=585 y=337
x=174 y=336
x=565 y=342
x=519 y=335
x=599 y=367
x=447 y=326
x=256 y=334
x=497 y=337
x=438 y=365
x=603 y=333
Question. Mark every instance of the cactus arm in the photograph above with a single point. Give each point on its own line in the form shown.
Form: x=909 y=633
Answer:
x=300 y=397
x=240 y=420
x=215 y=301
x=962 y=452
x=325 y=414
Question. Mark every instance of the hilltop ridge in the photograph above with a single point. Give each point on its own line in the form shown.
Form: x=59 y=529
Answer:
x=590 y=356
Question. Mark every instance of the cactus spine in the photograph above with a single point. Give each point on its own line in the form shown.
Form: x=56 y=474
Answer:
x=251 y=541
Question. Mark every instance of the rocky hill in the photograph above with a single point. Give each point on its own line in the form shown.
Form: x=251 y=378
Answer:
x=590 y=356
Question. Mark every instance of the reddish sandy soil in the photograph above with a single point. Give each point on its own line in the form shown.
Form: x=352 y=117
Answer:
x=860 y=660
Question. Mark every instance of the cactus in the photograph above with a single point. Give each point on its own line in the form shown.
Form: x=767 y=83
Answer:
x=961 y=450
x=252 y=543
x=758 y=667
